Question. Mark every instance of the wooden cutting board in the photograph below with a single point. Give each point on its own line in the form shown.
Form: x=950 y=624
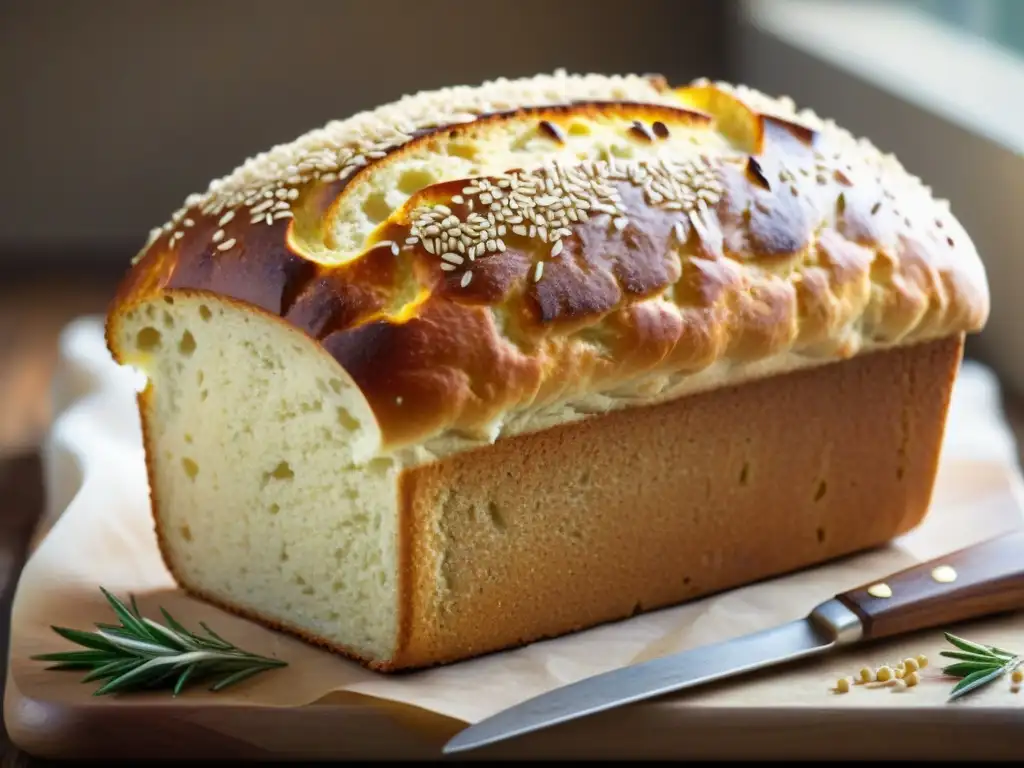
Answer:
x=786 y=713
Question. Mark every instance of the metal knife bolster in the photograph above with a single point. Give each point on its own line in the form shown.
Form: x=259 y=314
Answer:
x=835 y=619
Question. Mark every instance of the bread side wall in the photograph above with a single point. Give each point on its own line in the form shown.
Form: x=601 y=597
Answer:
x=581 y=524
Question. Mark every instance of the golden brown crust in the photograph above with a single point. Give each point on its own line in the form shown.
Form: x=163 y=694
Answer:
x=714 y=491
x=792 y=239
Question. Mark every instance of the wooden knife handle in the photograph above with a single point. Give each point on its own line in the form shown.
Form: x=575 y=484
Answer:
x=987 y=578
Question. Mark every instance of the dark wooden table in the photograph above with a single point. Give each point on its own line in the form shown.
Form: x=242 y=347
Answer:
x=33 y=310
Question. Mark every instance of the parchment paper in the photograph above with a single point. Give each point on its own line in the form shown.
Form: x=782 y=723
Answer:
x=98 y=531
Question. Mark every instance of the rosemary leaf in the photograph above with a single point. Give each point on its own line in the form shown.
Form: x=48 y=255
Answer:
x=236 y=677
x=967 y=645
x=975 y=680
x=113 y=669
x=141 y=654
x=83 y=657
x=127 y=618
x=87 y=639
x=964 y=668
x=141 y=647
x=972 y=657
x=183 y=678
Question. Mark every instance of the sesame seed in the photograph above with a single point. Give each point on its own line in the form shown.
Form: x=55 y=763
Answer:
x=448 y=267
x=270 y=218
x=639 y=130
x=188 y=223
x=466 y=277
x=556 y=248
x=226 y=245
x=620 y=223
x=218 y=235
x=458 y=199
x=679 y=232
x=452 y=258
x=538 y=271
x=553 y=131
x=283 y=215
x=261 y=207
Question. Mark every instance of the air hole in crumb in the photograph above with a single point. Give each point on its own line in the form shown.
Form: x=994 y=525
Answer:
x=186 y=533
x=745 y=473
x=188 y=438
x=191 y=468
x=821 y=535
x=338 y=586
x=187 y=345
x=199 y=378
x=275 y=508
x=148 y=339
x=308 y=591
x=169 y=300
x=204 y=312
x=585 y=477
x=495 y=514
x=336 y=385
x=822 y=489
x=347 y=420
x=284 y=555
x=203 y=395
x=300 y=581
x=949 y=241
x=464 y=150
x=282 y=471
x=413 y=180
x=168 y=320
x=376 y=207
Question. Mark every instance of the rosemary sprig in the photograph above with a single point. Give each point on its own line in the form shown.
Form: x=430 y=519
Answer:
x=976 y=665
x=141 y=654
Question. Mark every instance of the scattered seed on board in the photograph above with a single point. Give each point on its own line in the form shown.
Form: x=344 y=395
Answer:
x=843 y=685
x=866 y=675
x=1017 y=676
x=884 y=674
x=922 y=661
x=910 y=665
x=911 y=680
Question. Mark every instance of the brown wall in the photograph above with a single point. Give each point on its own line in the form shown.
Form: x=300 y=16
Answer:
x=114 y=110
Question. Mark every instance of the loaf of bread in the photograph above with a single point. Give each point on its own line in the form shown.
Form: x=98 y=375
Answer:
x=498 y=363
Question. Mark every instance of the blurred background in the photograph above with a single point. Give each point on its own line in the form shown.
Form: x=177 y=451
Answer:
x=115 y=110
x=112 y=111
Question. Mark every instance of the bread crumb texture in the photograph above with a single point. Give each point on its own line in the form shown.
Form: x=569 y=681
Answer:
x=463 y=267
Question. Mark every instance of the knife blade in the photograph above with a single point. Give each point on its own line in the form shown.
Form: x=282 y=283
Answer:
x=989 y=578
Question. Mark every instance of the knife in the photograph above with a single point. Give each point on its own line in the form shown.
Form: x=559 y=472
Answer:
x=984 y=579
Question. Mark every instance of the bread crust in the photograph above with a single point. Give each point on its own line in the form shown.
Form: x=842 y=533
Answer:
x=545 y=534
x=792 y=241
